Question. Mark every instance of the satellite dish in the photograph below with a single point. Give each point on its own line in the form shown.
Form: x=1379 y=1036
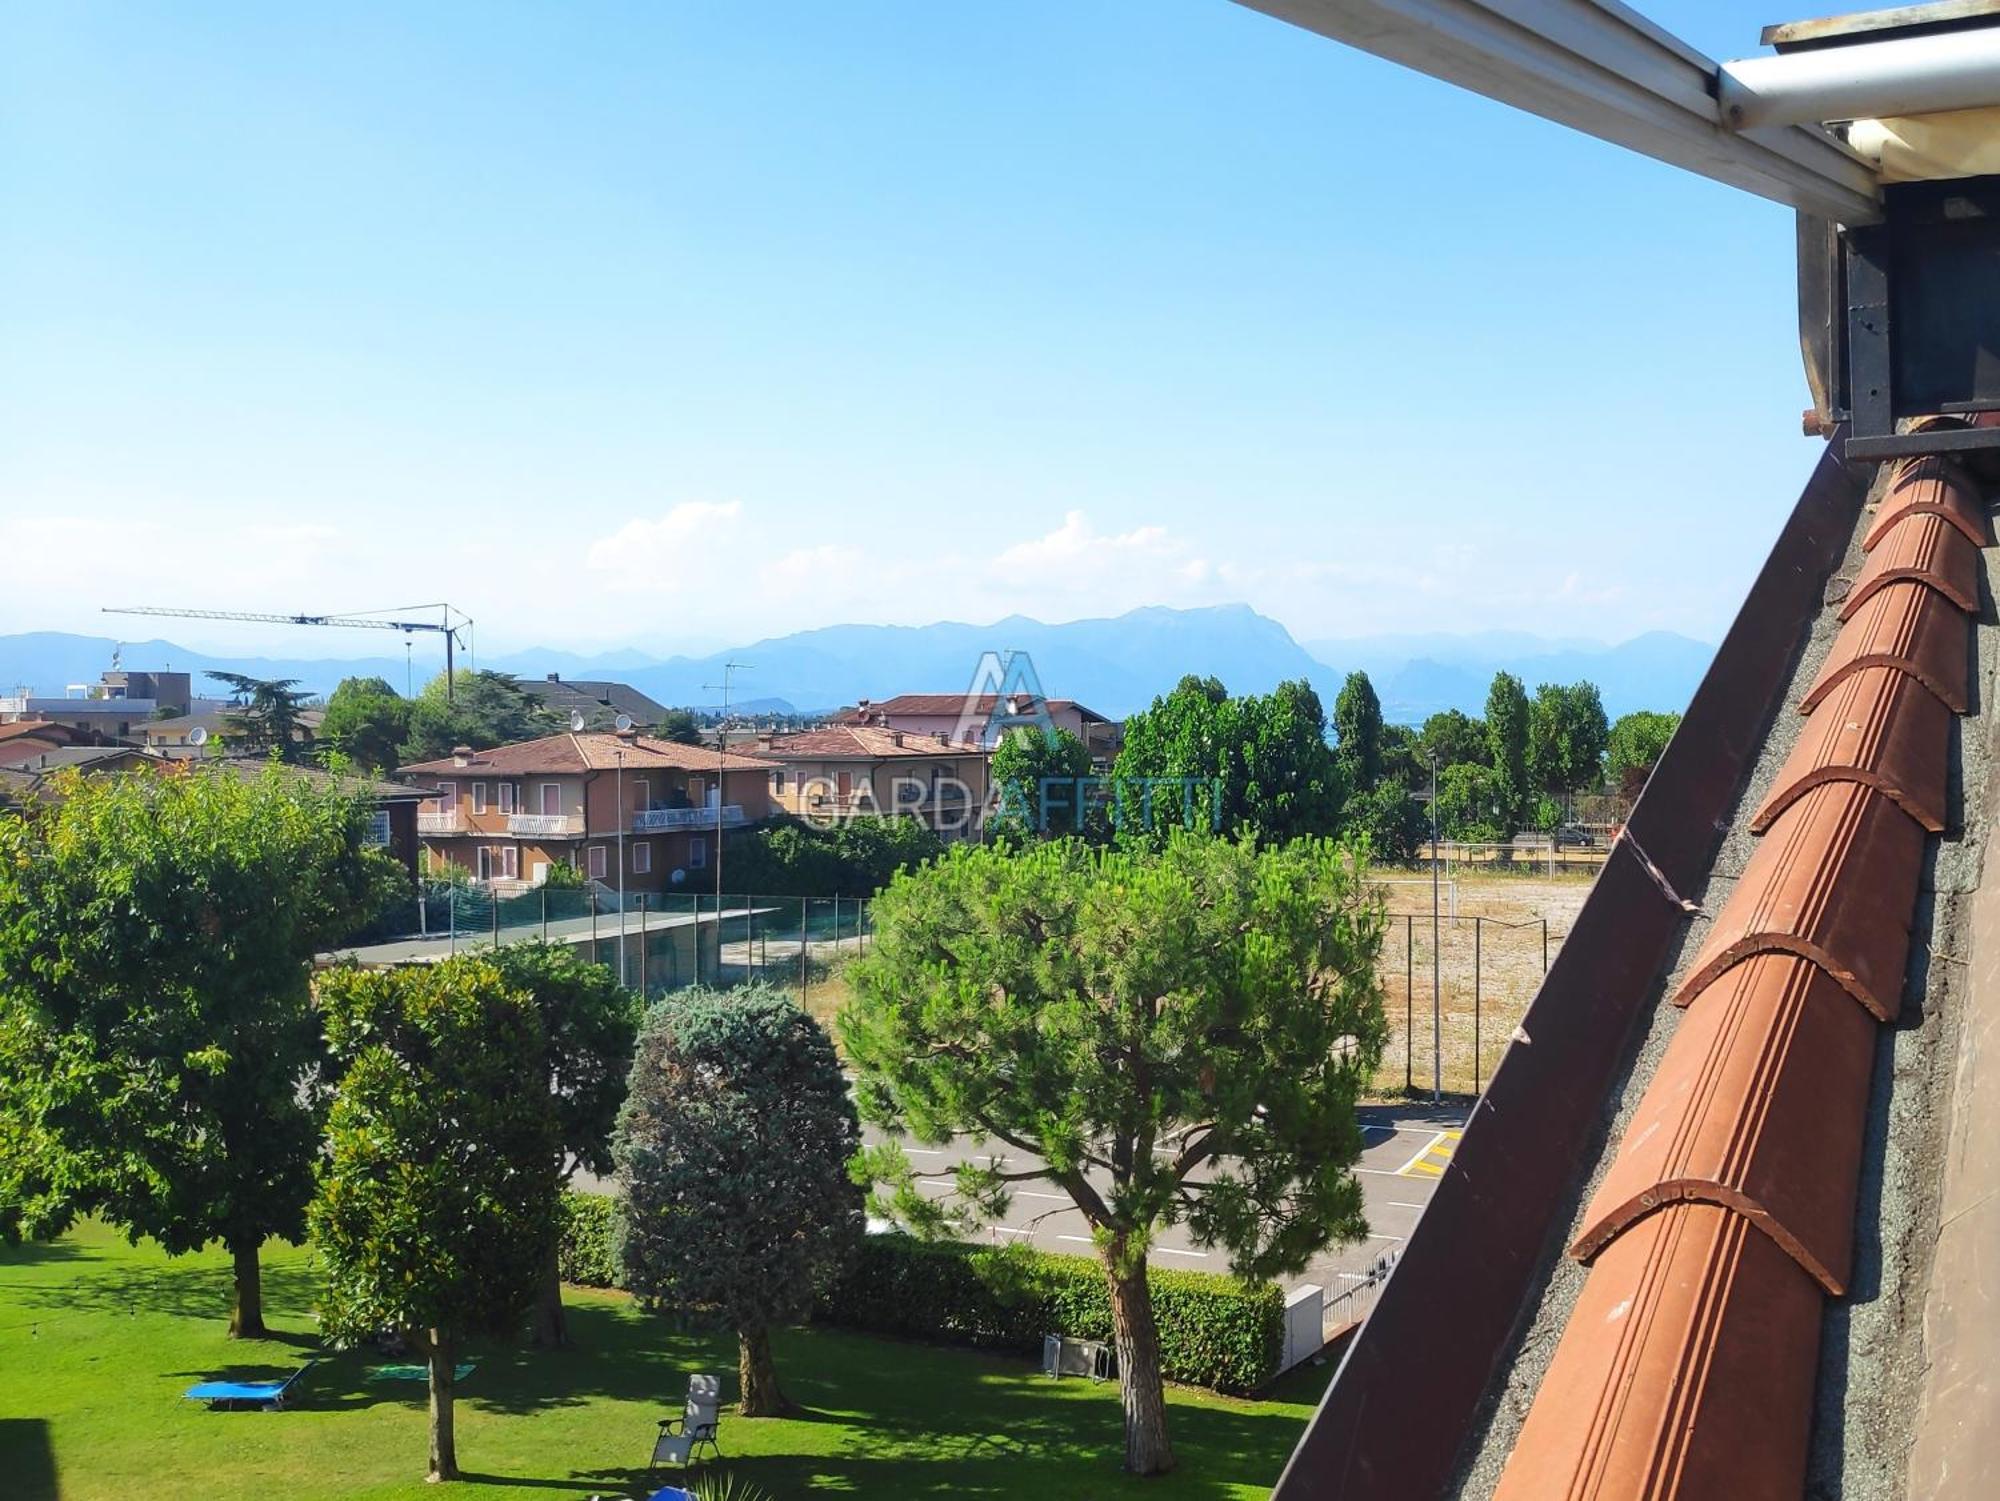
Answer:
x=679 y=877
x=198 y=736
x=624 y=723
x=576 y=719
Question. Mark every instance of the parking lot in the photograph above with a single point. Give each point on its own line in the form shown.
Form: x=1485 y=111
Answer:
x=1405 y=1148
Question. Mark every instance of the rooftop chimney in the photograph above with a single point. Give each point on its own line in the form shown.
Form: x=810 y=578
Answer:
x=461 y=755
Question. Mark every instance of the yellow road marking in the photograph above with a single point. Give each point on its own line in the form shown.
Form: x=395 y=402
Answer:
x=1434 y=1158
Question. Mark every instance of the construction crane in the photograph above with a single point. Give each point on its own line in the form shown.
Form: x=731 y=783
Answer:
x=446 y=626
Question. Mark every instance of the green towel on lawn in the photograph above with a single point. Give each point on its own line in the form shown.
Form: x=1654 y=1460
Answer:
x=415 y=1372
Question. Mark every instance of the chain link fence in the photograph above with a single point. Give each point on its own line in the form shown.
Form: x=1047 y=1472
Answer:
x=1455 y=988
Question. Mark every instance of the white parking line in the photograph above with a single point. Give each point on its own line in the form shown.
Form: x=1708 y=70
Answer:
x=1176 y=1251
x=1404 y=1204
x=1385 y=1237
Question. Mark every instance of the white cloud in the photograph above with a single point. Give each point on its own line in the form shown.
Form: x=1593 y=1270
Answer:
x=663 y=551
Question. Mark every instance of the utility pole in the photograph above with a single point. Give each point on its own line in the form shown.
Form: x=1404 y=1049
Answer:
x=729 y=671
x=1437 y=968
x=621 y=866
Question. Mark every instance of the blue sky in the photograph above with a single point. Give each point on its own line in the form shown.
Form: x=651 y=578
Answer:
x=683 y=323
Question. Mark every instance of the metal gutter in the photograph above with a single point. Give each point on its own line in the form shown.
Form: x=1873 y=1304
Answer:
x=1407 y=1393
x=1918 y=75
x=1603 y=69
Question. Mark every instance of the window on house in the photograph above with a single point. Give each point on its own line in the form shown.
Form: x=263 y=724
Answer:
x=551 y=798
x=485 y=863
x=597 y=862
x=506 y=797
x=642 y=857
x=478 y=797
x=843 y=782
x=449 y=792
x=697 y=853
x=378 y=828
x=510 y=863
x=777 y=781
x=642 y=795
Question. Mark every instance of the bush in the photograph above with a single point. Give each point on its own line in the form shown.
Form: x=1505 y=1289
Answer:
x=1215 y=1331
x=585 y=1252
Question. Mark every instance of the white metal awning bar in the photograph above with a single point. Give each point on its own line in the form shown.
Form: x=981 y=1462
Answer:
x=1598 y=67
x=1915 y=75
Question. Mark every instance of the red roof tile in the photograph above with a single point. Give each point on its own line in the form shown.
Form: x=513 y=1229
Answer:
x=1933 y=485
x=861 y=742
x=1757 y=1107
x=1686 y=1370
x=1834 y=881
x=1880 y=728
x=1925 y=547
x=589 y=752
x=1908 y=627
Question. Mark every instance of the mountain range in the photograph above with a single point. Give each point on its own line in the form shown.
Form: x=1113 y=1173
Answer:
x=1116 y=665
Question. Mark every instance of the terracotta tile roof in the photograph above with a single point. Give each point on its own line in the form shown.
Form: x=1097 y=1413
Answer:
x=1924 y=547
x=1906 y=626
x=1757 y=1107
x=556 y=754
x=1935 y=485
x=1686 y=1371
x=932 y=705
x=860 y=742
x=1880 y=728
x=1688 y=1365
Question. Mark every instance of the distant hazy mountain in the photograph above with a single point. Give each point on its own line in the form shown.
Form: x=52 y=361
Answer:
x=1417 y=676
x=1115 y=665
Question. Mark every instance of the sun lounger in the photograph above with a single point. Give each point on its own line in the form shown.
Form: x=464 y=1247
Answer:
x=269 y=1396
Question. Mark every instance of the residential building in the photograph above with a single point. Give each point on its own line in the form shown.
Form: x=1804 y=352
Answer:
x=25 y=739
x=599 y=702
x=844 y=770
x=985 y=717
x=111 y=706
x=599 y=802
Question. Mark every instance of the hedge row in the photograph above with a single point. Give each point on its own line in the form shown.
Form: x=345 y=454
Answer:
x=586 y=1253
x=1215 y=1331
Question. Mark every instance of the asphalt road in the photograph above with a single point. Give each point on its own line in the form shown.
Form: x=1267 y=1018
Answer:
x=1404 y=1151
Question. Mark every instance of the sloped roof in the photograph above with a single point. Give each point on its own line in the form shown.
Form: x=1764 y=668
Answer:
x=1669 y=1346
x=933 y=705
x=587 y=751
x=862 y=742
x=563 y=694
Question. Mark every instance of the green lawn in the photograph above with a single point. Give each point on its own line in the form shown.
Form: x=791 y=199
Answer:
x=98 y=1339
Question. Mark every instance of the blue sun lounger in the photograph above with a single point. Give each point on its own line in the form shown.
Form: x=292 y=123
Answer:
x=269 y=1396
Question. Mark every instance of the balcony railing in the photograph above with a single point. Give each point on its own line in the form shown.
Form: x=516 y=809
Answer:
x=439 y=823
x=664 y=820
x=545 y=825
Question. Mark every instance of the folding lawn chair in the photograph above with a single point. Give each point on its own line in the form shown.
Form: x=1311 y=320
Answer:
x=683 y=1438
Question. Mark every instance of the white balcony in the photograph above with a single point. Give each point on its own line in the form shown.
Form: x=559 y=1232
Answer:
x=439 y=823
x=665 y=820
x=546 y=825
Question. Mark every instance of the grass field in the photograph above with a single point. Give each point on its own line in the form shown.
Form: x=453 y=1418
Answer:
x=98 y=1339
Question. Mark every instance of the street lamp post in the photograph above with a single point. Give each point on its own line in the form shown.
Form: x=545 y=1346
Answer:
x=1437 y=1005
x=621 y=866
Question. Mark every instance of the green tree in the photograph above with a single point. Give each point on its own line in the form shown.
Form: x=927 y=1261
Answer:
x=1454 y=738
x=1566 y=738
x=1201 y=760
x=1165 y=1038
x=1394 y=821
x=1403 y=755
x=485 y=709
x=367 y=721
x=1634 y=745
x=1507 y=744
x=436 y=1208
x=589 y=1022
x=1357 y=726
x=1040 y=782
x=157 y=934
x=734 y=1146
x=854 y=857
x=679 y=726
x=264 y=713
x=1471 y=803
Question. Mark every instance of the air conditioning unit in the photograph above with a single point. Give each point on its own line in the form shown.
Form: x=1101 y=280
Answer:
x=1063 y=1356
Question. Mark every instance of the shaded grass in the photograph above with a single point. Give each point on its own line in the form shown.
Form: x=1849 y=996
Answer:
x=98 y=1339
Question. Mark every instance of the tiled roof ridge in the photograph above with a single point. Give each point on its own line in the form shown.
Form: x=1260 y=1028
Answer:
x=1687 y=1367
x=1907 y=626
